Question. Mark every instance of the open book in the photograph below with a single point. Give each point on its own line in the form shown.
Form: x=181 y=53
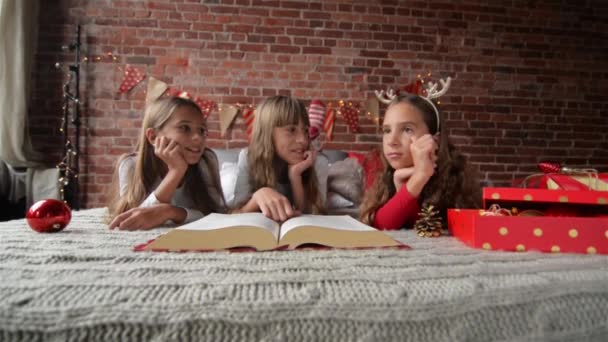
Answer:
x=223 y=231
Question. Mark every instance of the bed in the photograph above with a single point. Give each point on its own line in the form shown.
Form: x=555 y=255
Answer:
x=86 y=283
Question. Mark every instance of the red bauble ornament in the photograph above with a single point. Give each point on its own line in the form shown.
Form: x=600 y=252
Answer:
x=48 y=216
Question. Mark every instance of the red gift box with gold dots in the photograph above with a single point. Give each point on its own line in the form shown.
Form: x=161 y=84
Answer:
x=535 y=219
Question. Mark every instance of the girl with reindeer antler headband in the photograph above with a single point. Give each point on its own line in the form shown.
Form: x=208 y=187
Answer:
x=420 y=165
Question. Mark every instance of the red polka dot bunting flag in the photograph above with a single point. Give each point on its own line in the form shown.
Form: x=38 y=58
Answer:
x=206 y=106
x=131 y=78
x=350 y=113
x=179 y=93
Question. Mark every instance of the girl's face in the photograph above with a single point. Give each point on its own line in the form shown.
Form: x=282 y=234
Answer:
x=401 y=122
x=187 y=127
x=290 y=142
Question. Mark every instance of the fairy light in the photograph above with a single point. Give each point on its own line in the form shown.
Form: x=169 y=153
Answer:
x=68 y=167
x=108 y=56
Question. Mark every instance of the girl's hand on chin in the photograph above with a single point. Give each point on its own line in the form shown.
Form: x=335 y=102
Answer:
x=298 y=168
x=401 y=176
x=170 y=152
x=424 y=156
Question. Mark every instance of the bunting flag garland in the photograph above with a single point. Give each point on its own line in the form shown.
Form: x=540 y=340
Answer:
x=156 y=89
x=316 y=115
x=206 y=106
x=132 y=77
x=328 y=126
x=322 y=117
x=248 y=116
x=179 y=93
x=227 y=114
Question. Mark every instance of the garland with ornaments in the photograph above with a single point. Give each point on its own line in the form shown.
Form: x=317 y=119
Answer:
x=322 y=116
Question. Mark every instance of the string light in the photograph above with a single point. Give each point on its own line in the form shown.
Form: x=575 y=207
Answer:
x=108 y=56
x=68 y=167
x=65 y=170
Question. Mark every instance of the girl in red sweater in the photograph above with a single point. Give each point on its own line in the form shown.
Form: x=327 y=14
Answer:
x=420 y=166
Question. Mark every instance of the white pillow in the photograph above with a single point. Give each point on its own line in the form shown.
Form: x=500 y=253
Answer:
x=228 y=174
x=337 y=201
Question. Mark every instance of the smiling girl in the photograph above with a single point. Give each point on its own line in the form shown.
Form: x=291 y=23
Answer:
x=279 y=174
x=173 y=176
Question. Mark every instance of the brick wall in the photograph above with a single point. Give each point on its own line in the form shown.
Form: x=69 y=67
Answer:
x=530 y=77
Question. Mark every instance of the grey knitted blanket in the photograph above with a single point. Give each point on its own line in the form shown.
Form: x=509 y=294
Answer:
x=86 y=284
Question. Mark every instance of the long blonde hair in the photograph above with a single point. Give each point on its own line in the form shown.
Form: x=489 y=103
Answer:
x=148 y=167
x=454 y=184
x=278 y=111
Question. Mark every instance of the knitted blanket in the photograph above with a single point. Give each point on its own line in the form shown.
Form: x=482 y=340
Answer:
x=86 y=284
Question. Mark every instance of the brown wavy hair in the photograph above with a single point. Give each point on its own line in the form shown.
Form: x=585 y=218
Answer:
x=453 y=185
x=148 y=167
x=264 y=165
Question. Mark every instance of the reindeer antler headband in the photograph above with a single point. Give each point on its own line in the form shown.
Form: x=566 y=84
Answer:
x=430 y=90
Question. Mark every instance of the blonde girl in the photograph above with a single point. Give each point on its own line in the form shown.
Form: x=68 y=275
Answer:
x=172 y=176
x=279 y=174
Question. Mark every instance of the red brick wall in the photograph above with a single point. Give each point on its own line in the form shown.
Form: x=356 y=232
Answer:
x=530 y=77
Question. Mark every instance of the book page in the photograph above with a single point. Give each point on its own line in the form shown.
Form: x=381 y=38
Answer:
x=338 y=222
x=218 y=221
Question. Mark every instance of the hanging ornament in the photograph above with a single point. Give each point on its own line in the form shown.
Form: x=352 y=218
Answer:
x=48 y=216
x=132 y=76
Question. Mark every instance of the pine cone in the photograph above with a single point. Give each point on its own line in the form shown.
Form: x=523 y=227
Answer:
x=429 y=224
